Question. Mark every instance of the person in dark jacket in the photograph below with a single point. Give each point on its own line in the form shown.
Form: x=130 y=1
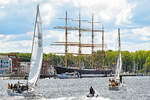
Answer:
x=120 y=79
x=92 y=92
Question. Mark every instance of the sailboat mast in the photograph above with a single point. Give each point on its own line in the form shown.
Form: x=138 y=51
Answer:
x=119 y=45
x=35 y=28
x=79 y=59
x=119 y=51
x=92 y=65
x=66 y=41
x=102 y=47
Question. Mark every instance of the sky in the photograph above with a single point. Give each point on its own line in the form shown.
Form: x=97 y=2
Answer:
x=17 y=19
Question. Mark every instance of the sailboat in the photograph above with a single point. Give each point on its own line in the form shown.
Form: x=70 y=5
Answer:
x=116 y=82
x=24 y=89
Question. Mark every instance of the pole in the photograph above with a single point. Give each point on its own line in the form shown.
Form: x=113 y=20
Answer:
x=79 y=59
x=102 y=47
x=92 y=65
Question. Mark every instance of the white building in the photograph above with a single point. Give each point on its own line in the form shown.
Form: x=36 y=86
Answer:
x=25 y=67
x=5 y=65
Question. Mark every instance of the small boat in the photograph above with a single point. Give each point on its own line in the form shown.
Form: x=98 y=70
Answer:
x=15 y=91
x=116 y=82
x=26 y=89
x=67 y=75
x=92 y=93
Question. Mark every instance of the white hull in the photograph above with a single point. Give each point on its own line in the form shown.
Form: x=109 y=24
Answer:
x=14 y=93
x=90 y=95
x=67 y=76
x=4 y=78
x=115 y=88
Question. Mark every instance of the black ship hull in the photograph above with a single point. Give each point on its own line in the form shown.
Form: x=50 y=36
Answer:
x=61 y=70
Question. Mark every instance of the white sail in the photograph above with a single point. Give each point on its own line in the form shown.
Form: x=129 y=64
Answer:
x=118 y=67
x=119 y=60
x=37 y=52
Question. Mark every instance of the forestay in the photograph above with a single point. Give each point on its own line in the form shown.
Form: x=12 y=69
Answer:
x=37 y=52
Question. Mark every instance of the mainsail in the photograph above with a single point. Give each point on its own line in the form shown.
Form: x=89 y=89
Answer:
x=37 y=51
x=119 y=60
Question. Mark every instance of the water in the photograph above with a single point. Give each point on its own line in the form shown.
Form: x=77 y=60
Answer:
x=136 y=88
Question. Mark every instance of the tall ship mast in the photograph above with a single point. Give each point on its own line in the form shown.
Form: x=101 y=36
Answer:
x=103 y=52
x=93 y=69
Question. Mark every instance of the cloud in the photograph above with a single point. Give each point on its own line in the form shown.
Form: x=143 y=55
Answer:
x=107 y=10
x=119 y=11
x=125 y=14
x=54 y=34
x=6 y=37
x=10 y=43
x=144 y=38
x=143 y=33
x=23 y=42
x=15 y=46
x=2 y=14
x=139 y=46
x=47 y=13
x=24 y=7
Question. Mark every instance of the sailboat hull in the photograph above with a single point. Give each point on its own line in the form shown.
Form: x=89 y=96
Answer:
x=14 y=93
x=114 y=88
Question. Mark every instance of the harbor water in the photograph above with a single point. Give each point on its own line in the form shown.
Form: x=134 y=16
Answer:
x=136 y=88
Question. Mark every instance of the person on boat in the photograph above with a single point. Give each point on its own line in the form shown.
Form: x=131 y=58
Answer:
x=24 y=87
x=18 y=87
x=114 y=83
x=120 y=79
x=110 y=82
x=92 y=92
x=15 y=87
x=9 y=87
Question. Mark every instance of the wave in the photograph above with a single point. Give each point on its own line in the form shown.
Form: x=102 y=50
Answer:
x=13 y=98
x=79 y=98
x=60 y=98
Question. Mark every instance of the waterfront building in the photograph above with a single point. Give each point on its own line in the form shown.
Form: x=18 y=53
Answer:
x=5 y=65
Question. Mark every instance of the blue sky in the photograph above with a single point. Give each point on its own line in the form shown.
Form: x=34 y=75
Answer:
x=17 y=19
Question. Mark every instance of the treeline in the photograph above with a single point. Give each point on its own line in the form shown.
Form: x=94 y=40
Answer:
x=131 y=61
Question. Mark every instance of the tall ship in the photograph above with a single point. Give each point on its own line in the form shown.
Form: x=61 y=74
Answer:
x=94 y=70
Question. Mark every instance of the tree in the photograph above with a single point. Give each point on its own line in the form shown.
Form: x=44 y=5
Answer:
x=147 y=64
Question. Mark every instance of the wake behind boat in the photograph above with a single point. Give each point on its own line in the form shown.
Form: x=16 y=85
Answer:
x=116 y=82
x=26 y=89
